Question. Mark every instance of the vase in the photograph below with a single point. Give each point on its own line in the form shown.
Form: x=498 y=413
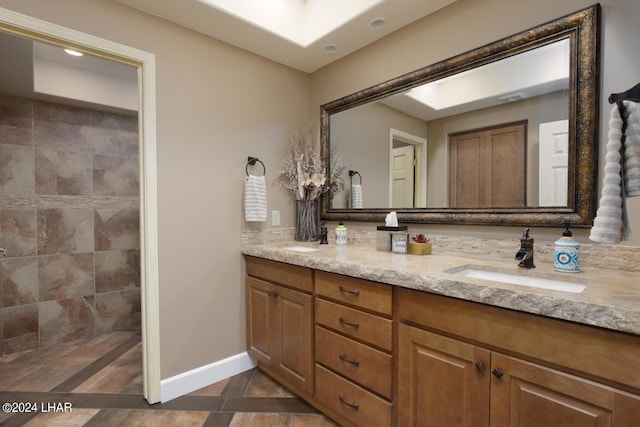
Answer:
x=306 y=220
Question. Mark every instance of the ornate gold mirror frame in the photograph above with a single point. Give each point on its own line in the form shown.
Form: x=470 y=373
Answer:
x=582 y=28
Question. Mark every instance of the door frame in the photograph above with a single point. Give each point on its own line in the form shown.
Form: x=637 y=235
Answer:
x=420 y=144
x=35 y=29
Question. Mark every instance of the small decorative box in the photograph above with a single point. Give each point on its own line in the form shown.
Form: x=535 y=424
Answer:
x=400 y=242
x=384 y=236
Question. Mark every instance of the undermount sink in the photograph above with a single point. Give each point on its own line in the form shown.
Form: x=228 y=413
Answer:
x=300 y=248
x=521 y=280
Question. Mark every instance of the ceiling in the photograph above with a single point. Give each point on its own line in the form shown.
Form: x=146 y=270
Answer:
x=296 y=33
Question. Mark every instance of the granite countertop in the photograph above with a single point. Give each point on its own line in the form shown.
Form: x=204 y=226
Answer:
x=611 y=299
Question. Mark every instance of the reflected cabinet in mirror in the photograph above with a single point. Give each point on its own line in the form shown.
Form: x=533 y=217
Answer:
x=506 y=134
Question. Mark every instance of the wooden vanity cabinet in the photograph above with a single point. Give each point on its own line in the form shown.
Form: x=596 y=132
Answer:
x=280 y=321
x=353 y=349
x=466 y=364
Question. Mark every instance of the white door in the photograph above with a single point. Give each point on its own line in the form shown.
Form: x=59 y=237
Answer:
x=403 y=177
x=554 y=162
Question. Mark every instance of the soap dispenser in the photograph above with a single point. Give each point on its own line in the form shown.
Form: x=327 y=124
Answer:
x=567 y=253
x=341 y=234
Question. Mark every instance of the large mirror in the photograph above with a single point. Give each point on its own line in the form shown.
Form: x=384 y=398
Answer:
x=505 y=134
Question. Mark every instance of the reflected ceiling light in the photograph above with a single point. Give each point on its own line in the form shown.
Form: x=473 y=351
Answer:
x=73 y=52
x=378 y=24
x=330 y=49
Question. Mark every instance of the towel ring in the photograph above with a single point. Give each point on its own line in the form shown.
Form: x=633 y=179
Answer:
x=252 y=161
x=352 y=173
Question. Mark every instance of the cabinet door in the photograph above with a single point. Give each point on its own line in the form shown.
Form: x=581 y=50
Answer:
x=295 y=340
x=441 y=381
x=529 y=395
x=261 y=329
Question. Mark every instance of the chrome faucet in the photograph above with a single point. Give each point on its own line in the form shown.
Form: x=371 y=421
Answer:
x=525 y=254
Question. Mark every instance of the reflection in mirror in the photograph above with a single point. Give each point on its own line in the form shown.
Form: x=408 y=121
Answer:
x=495 y=128
x=531 y=87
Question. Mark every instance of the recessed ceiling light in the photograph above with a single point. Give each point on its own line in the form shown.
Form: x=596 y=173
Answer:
x=378 y=24
x=73 y=52
x=330 y=49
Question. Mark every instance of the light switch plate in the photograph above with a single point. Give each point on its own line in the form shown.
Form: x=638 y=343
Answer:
x=275 y=217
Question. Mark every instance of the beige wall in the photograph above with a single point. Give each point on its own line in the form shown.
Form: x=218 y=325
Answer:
x=215 y=106
x=468 y=24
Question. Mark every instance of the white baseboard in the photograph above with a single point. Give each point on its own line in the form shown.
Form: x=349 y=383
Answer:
x=195 y=379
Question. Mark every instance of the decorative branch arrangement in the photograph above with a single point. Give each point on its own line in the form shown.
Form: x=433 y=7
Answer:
x=305 y=171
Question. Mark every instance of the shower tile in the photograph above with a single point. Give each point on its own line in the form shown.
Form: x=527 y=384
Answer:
x=114 y=134
x=16 y=170
x=19 y=328
x=18 y=231
x=66 y=320
x=65 y=231
x=60 y=136
x=117 y=270
x=118 y=311
x=61 y=113
x=19 y=281
x=15 y=113
x=65 y=276
x=16 y=136
x=115 y=176
x=117 y=229
x=62 y=172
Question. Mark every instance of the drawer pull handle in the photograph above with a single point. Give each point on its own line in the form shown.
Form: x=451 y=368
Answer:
x=272 y=294
x=497 y=372
x=354 y=292
x=351 y=405
x=355 y=325
x=344 y=359
x=480 y=367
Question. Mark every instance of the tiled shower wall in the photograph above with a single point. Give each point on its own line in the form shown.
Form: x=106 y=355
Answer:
x=69 y=206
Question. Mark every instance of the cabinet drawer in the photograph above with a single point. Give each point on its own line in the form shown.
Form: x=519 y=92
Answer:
x=279 y=272
x=361 y=293
x=363 y=364
x=352 y=402
x=355 y=323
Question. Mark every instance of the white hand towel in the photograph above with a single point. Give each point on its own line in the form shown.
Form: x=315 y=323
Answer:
x=611 y=224
x=632 y=151
x=255 y=198
x=356 y=196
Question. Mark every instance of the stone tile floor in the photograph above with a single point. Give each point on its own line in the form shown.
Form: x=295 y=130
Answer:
x=99 y=383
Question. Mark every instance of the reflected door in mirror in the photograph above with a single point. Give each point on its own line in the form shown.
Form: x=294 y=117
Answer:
x=487 y=167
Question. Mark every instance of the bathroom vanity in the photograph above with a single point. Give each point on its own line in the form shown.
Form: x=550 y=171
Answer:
x=381 y=339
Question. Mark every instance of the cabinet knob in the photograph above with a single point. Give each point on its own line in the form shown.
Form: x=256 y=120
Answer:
x=354 y=292
x=497 y=372
x=344 y=359
x=351 y=405
x=272 y=294
x=480 y=367
x=354 y=325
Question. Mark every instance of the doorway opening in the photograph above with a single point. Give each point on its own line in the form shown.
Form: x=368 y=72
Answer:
x=23 y=26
